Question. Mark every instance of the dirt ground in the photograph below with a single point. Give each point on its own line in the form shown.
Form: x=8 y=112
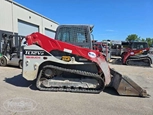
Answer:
x=18 y=95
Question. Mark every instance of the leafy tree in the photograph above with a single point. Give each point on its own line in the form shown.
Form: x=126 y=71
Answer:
x=133 y=37
x=149 y=41
x=143 y=40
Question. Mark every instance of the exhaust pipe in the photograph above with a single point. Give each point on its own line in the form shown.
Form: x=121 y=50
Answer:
x=125 y=86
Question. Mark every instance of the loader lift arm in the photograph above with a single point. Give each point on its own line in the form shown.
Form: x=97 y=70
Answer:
x=107 y=76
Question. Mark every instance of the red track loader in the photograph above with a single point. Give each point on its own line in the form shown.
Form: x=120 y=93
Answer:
x=104 y=48
x=138 y=53
x=61 y=66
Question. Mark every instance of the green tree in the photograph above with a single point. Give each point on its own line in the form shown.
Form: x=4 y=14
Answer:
x=149 y=41
x=133 y=37
x=143 y=40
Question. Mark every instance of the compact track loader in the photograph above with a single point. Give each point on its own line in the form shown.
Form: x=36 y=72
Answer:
x=61 y=66
x=138 y=54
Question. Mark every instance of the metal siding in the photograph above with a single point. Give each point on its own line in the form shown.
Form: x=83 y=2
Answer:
x=25 y=28
x=49 y=33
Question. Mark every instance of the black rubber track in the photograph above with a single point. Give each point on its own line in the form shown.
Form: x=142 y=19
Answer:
x=66 y=89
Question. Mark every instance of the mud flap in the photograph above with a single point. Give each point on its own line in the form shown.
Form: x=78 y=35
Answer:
x=125 y=86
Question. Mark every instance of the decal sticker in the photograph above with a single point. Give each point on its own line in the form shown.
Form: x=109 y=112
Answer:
x=67 y=50
x=92 y=54
x=33 y=57
x=140 y=52
x=132 y=53
x=36 y=52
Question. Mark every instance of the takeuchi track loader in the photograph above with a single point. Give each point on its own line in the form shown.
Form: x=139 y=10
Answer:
x=138 y=53
x=61 y=66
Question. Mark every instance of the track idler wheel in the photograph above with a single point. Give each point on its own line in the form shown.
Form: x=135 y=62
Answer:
x=48 y=72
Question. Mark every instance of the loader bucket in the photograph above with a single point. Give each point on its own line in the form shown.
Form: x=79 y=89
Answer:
x=125 y=86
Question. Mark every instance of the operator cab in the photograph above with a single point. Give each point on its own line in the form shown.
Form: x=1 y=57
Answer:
x=79 y=35
x=138 y=45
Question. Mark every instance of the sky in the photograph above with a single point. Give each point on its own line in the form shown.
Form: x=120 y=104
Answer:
x=112 y=19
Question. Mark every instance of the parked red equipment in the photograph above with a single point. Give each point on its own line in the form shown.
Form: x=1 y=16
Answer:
x=137 y=54
x=103 y=48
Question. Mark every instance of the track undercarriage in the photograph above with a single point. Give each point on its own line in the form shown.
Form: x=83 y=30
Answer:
x=141 y=61
x=54 y=78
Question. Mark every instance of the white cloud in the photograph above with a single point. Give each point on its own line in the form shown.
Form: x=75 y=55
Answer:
x=109 y=30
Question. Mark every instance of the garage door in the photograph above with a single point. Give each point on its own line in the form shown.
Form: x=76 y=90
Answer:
x=49 y=33
x=25 y=28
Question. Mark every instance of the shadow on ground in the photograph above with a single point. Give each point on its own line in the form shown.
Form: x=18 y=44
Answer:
x=111 y=91
x=19 y=81
x=10 y=66
x=116 y=61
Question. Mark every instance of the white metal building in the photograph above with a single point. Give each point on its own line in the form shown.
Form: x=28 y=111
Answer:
x=20 y=20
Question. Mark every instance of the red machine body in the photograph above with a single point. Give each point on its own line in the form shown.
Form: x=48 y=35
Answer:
x=130 y=52
x=137 y=54
x=97 y=46
x=49 y=45
x=87 y=70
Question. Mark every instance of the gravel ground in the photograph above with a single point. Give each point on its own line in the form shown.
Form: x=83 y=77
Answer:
x=17 y=93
